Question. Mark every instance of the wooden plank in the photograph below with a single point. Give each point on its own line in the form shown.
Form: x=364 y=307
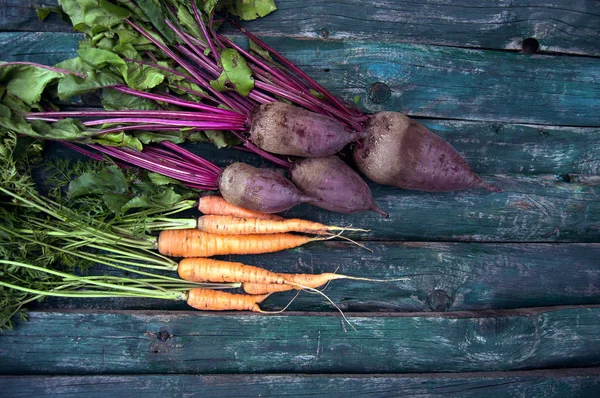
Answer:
x=537 y=208
x=559 y=25
x=441 y=82
x=117 y=342
x=537 y=383
x=444 y=277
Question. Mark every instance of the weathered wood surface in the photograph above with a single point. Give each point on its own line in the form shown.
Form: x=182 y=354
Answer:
x=558 y=383
x=559 y=25
x=441 y=82
x=527 y=122
x=536 y=208
x=125 y=342
x=444 y=277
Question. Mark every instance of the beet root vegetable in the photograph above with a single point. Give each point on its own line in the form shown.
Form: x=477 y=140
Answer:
x=338 y=187
x=289 y=130
x=400 y=152
x=261 y=190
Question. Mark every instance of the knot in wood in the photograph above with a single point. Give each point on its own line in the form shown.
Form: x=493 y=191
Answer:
x=530 y=46
x=439 y=301
x=379 y=93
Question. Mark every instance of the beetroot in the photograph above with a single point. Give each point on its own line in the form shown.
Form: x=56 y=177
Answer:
x=289 y=130
x=260 y=190
x=400 y=152
x=331 y=180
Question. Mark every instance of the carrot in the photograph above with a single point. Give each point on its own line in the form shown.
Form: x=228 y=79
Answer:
x=230 y=225
x=302 y=281
x=214 y=300
x=256 y=280
x=195 y=243
x=264 y=288
x=206 y=269
x=216 y=205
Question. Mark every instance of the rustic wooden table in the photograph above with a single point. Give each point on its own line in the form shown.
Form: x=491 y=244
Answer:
x=504 y=298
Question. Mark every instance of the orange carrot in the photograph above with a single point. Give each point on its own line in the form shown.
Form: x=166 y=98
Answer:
x=215 y=300
x=299 y=281
x=230 y=225
x=195 y=243
x=200 y=269
x=264 y=288
x=256 y=280
x=216 y=205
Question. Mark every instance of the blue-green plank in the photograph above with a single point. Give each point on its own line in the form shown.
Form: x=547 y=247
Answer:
x=532 y=208
x=559 y=25
x=429 y=81
x=125 y=342
x=443 y=277
x=532 y=384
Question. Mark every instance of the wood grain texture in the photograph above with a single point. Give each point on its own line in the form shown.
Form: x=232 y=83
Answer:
x=560 y=25
x=444 y=277
x=532 y=384
x=441 y=82
x=532 y=208
x=118 y=342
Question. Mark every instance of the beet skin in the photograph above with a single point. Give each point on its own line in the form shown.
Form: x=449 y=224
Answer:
x=260 y=190
x=400 y=152
x=289 y=130
x=331 y=180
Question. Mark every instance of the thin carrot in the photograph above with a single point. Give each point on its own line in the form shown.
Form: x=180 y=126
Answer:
x=264 y=288
x=256 y=280
x=216 y=205
x=198 y=269
x=230 y=225
x=195 y=243
x=213 y=300
x=302 y=281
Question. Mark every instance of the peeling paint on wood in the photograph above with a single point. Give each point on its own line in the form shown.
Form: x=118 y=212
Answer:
x=72 y=343
x=543 y=384
x=559 y=25
x=536 y=208
x=444 y=277
x=441 y=82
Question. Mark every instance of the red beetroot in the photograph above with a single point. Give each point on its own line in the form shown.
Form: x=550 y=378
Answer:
x=261 y=190
x=338 y=187
x=289 y=130
x=400 y=152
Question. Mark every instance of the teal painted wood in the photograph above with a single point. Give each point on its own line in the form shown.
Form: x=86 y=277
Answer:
x=123 y=342
x=441 y=82
x=537 y=208
x=559 y=25
x=444 y=277
x=532 y=384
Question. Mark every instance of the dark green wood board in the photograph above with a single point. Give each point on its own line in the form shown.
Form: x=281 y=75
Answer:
x=444 y=277
x=559 y=25
x=531 y=384
x=500 y=283
x=141 y=342
x=432 y=81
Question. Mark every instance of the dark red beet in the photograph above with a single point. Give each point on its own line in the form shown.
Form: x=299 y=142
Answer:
x=400 y=152
x=339 y=187
x=260 y=190
x=289 y=130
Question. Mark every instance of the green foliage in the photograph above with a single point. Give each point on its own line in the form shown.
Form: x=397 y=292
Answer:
x=27 y=82
x=252 y=9
x=236 y=74
x=123 y=190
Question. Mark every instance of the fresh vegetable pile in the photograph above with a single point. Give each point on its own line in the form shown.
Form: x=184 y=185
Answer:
x=166 y=76
x=108 y=216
